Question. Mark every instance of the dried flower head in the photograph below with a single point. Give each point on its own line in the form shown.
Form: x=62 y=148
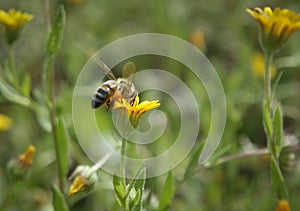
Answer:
x=84 y=178
x=27 y=157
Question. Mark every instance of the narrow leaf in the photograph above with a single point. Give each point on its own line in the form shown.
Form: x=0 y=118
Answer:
x=59 y=202
x=134 y=202
x=11 y=94
x=267 y=121
x=278 y=133
x=194 y=161
x=140 y=174
x=56 y=35
x=140 y=186
x=277 y=179
x=276 y=85
x=63 y=137
x=26 y=85
x=120 y=190
x=167 y=194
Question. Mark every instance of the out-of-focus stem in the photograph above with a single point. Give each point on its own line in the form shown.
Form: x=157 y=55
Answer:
x=268 y=100
x=12 y=65
x=47 y=14
x=122 y=162
x=52 y=114
x=267 y=80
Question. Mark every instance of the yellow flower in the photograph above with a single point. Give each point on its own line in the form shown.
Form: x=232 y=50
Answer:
x=197 y=38
x=26 y=157
x=283 y=205
x=14 y=19
x=136 y=110
x=5 y=122
x=258 y=66
x=79 y=184
x=84 y=179
x=277 y=25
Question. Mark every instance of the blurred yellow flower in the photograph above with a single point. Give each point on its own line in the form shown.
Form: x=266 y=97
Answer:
x=283 y=205
x=136 y=110
x=197 y=38
x=5 y=122
x=14 y=19
x=79 y=184
x=84 y=178
x=27 y=157
x=258 y=65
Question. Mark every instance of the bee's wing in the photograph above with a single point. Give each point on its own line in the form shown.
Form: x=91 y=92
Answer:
x=103 y=66
x=128 y=71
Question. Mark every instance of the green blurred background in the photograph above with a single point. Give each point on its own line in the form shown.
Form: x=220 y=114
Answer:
x=225 y=33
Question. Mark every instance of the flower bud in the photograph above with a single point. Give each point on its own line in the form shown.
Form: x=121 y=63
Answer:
x=287 y=157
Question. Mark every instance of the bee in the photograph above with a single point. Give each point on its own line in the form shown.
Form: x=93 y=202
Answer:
x=116 y=88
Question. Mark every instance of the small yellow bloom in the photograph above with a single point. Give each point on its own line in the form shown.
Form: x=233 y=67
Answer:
x=14 y=19
x=258 y=66
x=283 y=205
x=84 y=178
x=26 y=157
x=136 y=110
x=79 y=184
x=197 y=38
x=277 y=25
x=5 y=122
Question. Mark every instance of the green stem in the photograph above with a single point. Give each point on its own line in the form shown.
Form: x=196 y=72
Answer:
x=122 y=162
x=50 y=88
x=47 y=15
x=277 y=179
x=225 y=159
x=267 y=107
x=12 y=65
x=267 y=80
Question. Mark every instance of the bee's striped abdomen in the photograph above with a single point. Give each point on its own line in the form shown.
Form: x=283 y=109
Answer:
x=103 y=93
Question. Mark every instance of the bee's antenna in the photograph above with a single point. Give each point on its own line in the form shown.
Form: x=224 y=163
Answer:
x=104 y=67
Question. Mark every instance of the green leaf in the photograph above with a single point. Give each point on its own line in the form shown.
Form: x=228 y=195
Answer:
x=194 y=161
x=140 y=186
x=134 y=202
x=63 y=138
x=59 y=202
x=12 y=95
x=26 y=85
x=267 y=121
x=120 y=190
x=278 y=133
x=276 y=85
x=167 y=194
x=140 y=174
x=277 y=179
x=56 y=35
